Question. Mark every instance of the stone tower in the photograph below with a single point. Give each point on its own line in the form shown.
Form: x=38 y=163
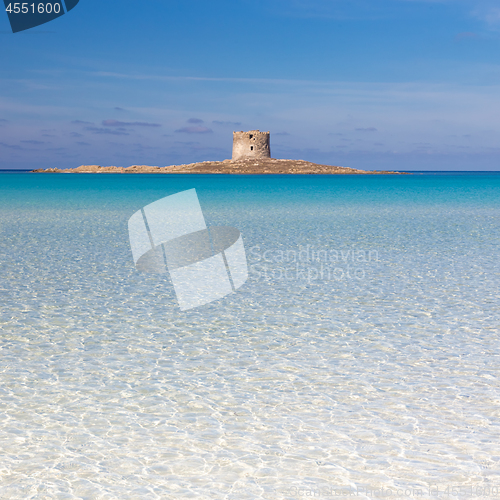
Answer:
x=251 y=144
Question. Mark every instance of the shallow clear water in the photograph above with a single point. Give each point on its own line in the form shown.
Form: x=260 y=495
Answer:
x=362 y=353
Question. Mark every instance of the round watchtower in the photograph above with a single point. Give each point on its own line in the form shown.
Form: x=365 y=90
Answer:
x=251 y=144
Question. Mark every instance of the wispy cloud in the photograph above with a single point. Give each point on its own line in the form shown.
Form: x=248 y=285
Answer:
x=333 y=9
x=492 y=17
x=33 y=142
x=488 y=14
x=116 y=123
x=226 y=124
x=195 y=130
x=195 y=120
x=368 y=129
x=12 y=146
x=143 y=147
x=81 y=122
x=100 y=131
x=165 y=78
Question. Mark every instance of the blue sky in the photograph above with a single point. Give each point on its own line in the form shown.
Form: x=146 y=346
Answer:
x=372 y=84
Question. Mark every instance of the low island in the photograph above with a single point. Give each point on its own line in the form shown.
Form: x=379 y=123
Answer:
x=251 y=155
x=261 y=166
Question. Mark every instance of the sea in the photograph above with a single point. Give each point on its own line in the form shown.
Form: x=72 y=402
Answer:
x=360 y=359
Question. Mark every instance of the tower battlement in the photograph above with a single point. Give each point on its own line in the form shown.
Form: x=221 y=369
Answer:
x=251 y=144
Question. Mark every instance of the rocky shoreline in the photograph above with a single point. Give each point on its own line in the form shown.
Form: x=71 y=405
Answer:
x=254 y=166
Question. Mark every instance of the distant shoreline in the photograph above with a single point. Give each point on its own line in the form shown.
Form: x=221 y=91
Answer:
x=254 y=166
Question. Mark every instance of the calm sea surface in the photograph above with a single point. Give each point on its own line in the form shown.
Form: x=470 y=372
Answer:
x=361 y=357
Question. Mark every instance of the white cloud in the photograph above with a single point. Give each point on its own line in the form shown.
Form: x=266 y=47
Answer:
x=490 y=15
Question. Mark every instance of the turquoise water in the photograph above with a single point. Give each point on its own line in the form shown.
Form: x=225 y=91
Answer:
x=362 y=353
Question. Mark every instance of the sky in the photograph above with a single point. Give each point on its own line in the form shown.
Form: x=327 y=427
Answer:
x=370 y=84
